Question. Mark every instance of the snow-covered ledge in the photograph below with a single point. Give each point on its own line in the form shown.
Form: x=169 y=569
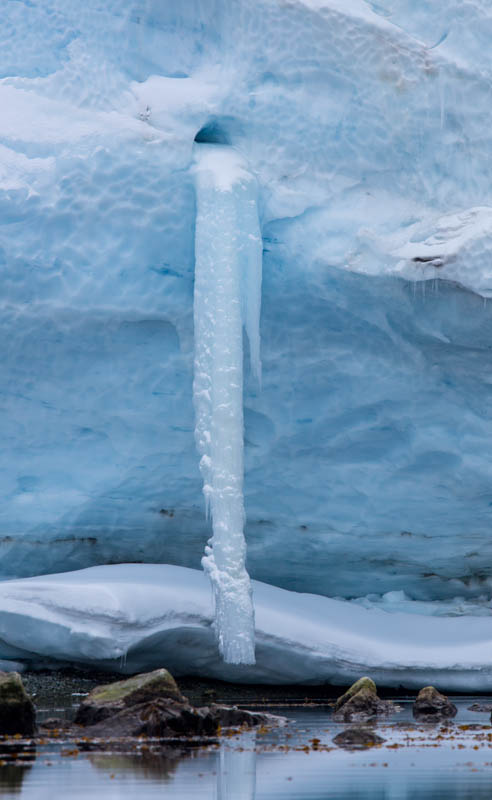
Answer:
x=131 y=617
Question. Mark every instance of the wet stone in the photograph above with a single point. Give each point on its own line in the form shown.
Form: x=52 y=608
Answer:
x=481 y=707
x=164 y=718
x=16 y=708
x=361 y=702
x=362 y=683
x=55 y=723
x=432 y=706
x=110 y=699
x=152 y=705
x=358 y=736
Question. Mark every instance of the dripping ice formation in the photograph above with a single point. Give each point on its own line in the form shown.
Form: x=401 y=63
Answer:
x=227 y=292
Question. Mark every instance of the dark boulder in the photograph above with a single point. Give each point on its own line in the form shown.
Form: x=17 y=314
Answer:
x=361 y=701
x=55 y=724
x=112 y=698
x=362 y=683
x=152 y=705
x=17 y=713
x=165 y=718
x=358 y=736
x=432 y=706
x=484 y=708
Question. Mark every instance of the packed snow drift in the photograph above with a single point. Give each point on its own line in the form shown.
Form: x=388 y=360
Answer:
x=134 y=617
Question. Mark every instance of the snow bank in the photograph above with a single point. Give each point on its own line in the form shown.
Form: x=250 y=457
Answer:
x=132 y=617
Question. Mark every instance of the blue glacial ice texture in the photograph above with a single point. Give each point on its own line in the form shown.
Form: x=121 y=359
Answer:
x=367 y=453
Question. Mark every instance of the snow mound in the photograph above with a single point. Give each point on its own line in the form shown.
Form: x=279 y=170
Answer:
x=131 y=617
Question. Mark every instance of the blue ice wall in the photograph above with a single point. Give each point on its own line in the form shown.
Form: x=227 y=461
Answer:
x=368 y=128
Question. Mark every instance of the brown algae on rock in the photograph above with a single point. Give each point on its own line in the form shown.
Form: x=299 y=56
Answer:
x=17 y=714
x=431 y=706
x=361 y=701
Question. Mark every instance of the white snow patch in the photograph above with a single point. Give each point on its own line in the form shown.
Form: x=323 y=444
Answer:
x=160 y=97
x=458 y=248
x=17 y=171
x=454 y=247
x=131 y=617
x=29 y=117
x=220 y=168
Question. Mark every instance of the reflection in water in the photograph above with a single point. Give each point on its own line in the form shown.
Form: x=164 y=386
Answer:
x=16 y=760
x=158 y=766
x=236 y=774
x=297 y=762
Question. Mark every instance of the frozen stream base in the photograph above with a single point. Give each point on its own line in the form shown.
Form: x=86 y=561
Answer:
x=131 y=617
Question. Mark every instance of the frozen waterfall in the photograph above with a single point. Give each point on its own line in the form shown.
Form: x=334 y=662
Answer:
x=228 y=254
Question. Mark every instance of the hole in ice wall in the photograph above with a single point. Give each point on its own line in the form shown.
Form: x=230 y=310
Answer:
x=212 y=133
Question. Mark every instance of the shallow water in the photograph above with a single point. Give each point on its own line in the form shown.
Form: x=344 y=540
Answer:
x=448 y=761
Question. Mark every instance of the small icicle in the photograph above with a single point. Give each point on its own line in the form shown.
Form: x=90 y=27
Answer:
x=227 y=293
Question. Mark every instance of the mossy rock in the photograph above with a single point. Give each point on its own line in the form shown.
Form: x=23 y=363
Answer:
x=152 y=705
x=362 y=683
x=17 y=713
x=109 y=699
x=431 y=705
x=139 y=688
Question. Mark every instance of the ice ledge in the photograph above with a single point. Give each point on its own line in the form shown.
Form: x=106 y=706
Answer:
x=131 y=617
x=454 y=247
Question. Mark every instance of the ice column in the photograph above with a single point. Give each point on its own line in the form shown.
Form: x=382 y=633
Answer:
x=228 y=253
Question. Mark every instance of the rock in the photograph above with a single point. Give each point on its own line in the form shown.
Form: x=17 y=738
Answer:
x=431 y=705
x=482 y=707
x=152 y=705
x=232 y=717
x=55 y=723
x=17 y=713
x=358 y=736
x=112 y=698
x=361 y=701
x=362 y=683
x=166 y=718
x=162 y=717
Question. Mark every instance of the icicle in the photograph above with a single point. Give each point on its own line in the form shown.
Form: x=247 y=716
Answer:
x=252 y=255
x=227 y=292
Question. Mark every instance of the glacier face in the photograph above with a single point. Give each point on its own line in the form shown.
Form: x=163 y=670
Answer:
x=367 y=126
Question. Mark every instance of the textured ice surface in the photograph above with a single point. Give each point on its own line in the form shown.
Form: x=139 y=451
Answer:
x=131 y=617
x=369 y=129
x=396 y=602
x=226 y=232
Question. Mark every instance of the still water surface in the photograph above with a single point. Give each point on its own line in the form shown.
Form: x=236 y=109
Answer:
x=299 y=762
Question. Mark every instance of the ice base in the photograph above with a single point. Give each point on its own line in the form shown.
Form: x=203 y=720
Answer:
x=132 y=617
